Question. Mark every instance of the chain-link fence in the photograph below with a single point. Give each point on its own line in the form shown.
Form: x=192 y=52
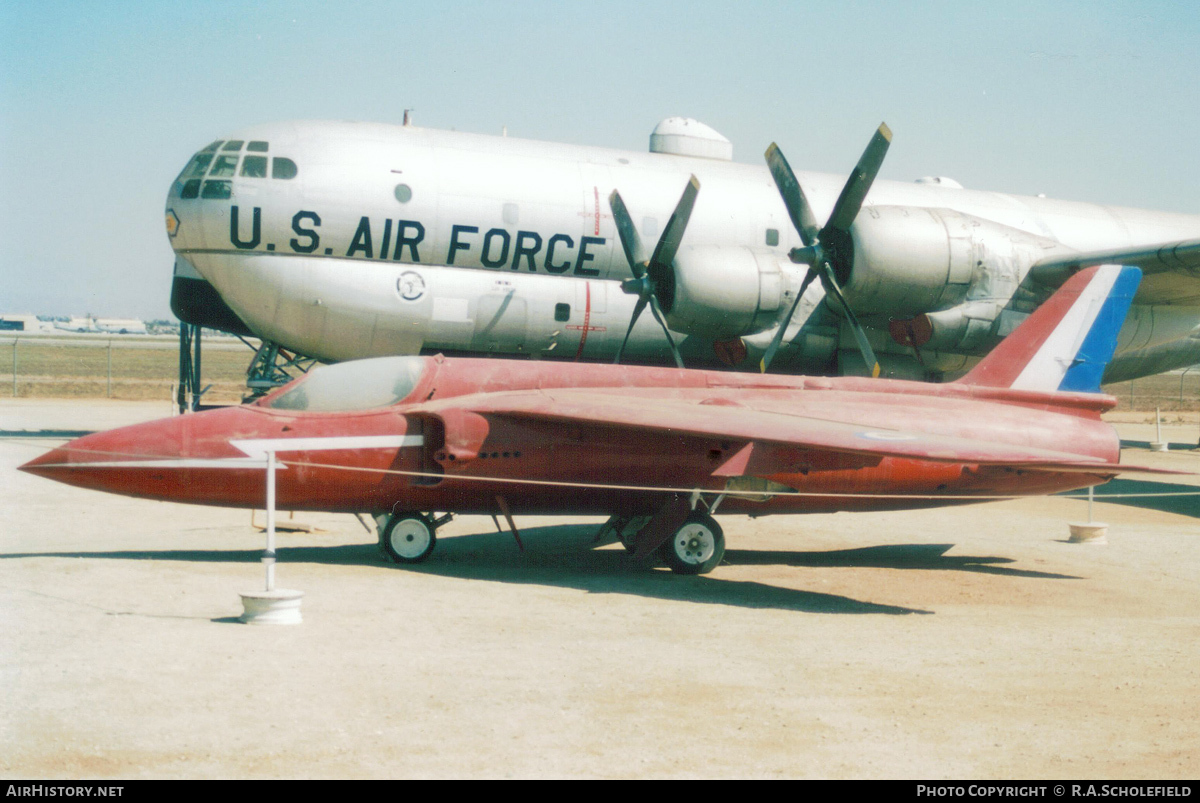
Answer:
x=131 y=367
x=124 y=367
x=1178 y=391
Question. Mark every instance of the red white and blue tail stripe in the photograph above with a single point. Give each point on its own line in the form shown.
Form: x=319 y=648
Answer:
x=1068 y=341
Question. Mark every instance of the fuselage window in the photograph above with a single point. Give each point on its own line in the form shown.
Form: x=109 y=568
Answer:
x=772 y=237
x=254 y=167
x=562 y=312
x=282 y=168
x=191 y=189
x=224 y=166
x=257 y=146
x=233 y=145
x=215 y=189
x=403 y=193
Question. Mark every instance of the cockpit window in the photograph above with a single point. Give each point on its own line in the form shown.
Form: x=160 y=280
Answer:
x=282 y=168
x=191 y=189
x=254 y=167
x=200 y=163
x=257 y=146
x=211 y=148
x=357 y=385
x=224 y=166
x=215 y=189
x=233 y=145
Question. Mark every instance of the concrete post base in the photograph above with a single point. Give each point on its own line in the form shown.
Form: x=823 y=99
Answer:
x=1093 y=532
x=278 y=607
x=1159 y=446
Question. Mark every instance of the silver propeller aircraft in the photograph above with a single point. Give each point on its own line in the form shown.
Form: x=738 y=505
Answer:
x=341 y=240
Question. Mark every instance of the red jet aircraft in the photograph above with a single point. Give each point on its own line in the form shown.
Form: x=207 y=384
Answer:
x=658 y=449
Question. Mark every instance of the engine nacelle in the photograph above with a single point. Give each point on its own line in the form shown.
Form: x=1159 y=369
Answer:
x=722 y=292
x=909 y=260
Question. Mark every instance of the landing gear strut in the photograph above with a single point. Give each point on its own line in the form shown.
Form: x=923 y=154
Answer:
x=624 y=529
x=273 y=367
x=696 y=544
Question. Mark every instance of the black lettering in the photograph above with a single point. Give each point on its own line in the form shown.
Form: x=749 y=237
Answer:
x=403 y=239
x=526 y=251
x=362 y=239
x=314 y=239
x=455 y=245
x=387 y=238
x=487 y=261
x=255 y=229
x=584 y=256
x=550 y=266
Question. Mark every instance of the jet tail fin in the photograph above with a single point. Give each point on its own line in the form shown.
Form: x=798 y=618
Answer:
x=1068 y=341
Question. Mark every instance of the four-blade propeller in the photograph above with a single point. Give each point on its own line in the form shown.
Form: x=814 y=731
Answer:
x=828 y=250
x=653 y=278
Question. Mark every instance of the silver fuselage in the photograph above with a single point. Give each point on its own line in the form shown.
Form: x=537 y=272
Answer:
x=389 y=239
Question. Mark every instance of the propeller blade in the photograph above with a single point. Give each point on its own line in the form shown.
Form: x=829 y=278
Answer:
x=777 y=341
x=658 y=316
x=860 y=336
x=654 y=275
x=859 y=184
x=630 y=241
x=637 y=310
x=672 y=236
x=793 y=196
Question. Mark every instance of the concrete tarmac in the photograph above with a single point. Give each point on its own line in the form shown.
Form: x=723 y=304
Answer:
x=969 y=642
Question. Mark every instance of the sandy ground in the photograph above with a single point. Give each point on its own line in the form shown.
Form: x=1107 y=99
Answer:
x=960 y=643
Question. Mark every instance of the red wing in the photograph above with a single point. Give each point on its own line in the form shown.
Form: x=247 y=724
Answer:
x=741 y=422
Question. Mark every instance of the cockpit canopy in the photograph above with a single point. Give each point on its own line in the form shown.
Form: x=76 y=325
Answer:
x=219 y=162
x=349 y=386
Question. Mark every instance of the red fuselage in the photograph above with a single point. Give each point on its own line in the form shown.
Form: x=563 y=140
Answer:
x=407 y=455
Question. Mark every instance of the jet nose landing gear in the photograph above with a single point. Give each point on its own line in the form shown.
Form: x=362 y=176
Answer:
x=409 y=537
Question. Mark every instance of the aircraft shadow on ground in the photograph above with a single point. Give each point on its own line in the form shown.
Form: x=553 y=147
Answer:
x=1174 y=447
x=565 y=556
x=1182 y=505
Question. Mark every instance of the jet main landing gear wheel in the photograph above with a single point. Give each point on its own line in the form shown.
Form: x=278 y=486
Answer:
x=697 y=547
x=408 y=537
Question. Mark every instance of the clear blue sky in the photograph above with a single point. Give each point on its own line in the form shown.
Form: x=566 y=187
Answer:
x=101 y=104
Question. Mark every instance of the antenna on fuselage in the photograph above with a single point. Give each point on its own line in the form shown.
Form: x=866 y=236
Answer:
x=408 y=116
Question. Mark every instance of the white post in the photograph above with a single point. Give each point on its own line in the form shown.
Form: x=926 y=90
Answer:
x=1158 y=444
x=1091 y=531
x=274 y=606
x=268 y=558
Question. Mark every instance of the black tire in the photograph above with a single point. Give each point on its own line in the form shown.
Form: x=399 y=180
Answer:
x=697 y=547
x=408 y=538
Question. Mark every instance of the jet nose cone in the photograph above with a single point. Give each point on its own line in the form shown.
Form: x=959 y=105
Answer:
x=129 y=460
x=48 y=465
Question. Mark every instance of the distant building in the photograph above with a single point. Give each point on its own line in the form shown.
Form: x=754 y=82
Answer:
x=121 y=326
x=23 y=323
